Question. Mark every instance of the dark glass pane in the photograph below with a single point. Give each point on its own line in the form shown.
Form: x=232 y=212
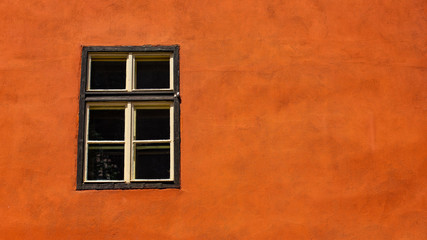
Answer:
x=105 y=162
x=108 y=74
x=106 y=124
x=152 y=124
x=152 y=74
x=152 y=161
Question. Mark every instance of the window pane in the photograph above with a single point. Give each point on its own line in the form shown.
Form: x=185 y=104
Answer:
x=152 y=74
x=105 y=162
x=152 y=124
x=108 y=74
x=106 y=124
x=152 y=161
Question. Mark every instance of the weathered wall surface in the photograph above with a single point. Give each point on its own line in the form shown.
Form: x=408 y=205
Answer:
x=300 y=119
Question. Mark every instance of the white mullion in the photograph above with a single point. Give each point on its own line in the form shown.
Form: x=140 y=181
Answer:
x=132 y=160
x=171 y=72
x=102 y=142
x=152 y=141
x=129 y=72
x=128 y=142
x=89 y=67
x=151 y=180
x=86 y=143
x=97 y=181
x=171 y=151
x=128 y=118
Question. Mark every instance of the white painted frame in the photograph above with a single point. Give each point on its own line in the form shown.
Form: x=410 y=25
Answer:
x=153 y=105
x=103 y=106
x=129 y=137
x=131 y=59
x=158 y=55
x=107 y=57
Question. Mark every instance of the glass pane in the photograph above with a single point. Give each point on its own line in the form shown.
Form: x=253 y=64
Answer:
x=109 y=74
x=152 y=161
x=105 y=162
x=106 y=124
x=152 y=124
x=152 y=74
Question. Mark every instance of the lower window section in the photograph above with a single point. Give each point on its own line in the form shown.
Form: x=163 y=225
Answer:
x=105 y=162
x=130 y=145
x=152 y=161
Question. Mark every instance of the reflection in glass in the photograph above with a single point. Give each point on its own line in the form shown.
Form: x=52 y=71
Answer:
x=152 y=124
x=105 y=162
x=108 y=74
x=152 y=161
x=106 y=124
x=152 y=74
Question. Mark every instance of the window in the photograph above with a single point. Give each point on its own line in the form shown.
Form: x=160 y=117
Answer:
x=129 y=118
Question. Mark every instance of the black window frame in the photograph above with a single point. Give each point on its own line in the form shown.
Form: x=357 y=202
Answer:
x=87 y=96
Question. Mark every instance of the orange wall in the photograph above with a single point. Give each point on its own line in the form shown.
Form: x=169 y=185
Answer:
x=300 y=119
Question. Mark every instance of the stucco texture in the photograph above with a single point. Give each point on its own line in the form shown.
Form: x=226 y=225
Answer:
x=299 y=119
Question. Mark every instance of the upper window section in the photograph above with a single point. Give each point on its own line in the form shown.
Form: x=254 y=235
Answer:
x=134 y=71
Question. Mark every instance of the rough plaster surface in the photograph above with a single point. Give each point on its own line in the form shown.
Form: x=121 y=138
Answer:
x=300 y=119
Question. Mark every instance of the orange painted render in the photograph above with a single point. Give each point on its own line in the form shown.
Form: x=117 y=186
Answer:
x=299 y=119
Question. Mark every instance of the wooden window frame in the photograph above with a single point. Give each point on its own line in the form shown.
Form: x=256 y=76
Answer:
x=130 y=99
